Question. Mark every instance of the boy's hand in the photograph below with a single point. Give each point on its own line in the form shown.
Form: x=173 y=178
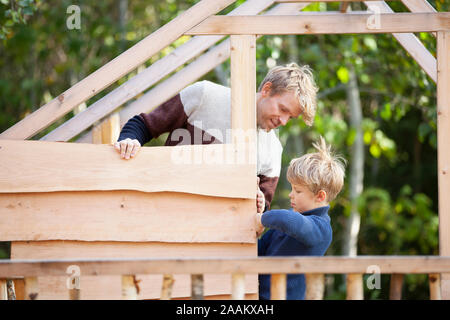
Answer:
x=127 y=148
x=259 y=227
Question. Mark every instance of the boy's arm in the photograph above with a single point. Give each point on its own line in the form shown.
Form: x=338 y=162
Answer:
x=309 y=230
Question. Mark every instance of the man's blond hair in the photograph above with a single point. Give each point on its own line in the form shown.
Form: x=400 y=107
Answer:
x=322 y=170
x=292 y=77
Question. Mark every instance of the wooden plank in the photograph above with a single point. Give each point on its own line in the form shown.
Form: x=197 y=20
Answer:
x=166 y=290
x=315 y=286
x=36 y=166
x=3 y=290
x=113 y=70
x=278 y=286
x=355 y=286
x=146 y=78
x=412 y=45
x=129 y=287
x=294 y=1
x=126 y=216
x=243 y=97
x=395 y=289
x=238 y=286
x=322 y=23
x=434 y=281
x=443 y=128
x=109 y=287
x=31 y=288
x=229 y=265
x=197 y=287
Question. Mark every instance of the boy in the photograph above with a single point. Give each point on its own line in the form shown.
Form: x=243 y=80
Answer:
x=316 y=179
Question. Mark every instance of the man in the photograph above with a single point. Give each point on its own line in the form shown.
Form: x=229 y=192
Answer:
x=286 y=92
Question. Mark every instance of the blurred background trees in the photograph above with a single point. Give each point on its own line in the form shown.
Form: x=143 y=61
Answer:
x=376 y=107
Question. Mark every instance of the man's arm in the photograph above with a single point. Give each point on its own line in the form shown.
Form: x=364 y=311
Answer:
x=268 y=185
x=309 y=230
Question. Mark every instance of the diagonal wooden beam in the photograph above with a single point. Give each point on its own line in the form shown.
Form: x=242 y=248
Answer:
x=114 y=70
x=323 y=23
x=187 y=75
x=146 y=78
x=411 y=44
x=419 y=6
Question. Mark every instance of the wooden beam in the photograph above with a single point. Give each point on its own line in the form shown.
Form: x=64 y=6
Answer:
x=315 y=286
x=146 y=78
x=238 y=286
x=327 y=23
x=166 y=290
x=3 y=290
x=126 y=216
x=443 y=129
x=312 y=1
x=266 y=265
x=396 y=285
x=113 y=70
x=129 y=287
x=243 y=97
x=412 y=45
x=31 y=288
x=35 y=166
x=278 y=286
x=197 y=287
x=434 y=282
x=355 y=290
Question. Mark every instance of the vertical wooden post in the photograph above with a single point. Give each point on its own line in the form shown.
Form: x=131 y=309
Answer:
x=3 y=290
x=243 y=96
x=355 y=290
x=107 y=131
x=197 y=287
x=434 y=281
x=443 y=130
x=31 y=288
x=129 y=287
x=11 y=289
x=315 y=286
x=166 y=291
x=238 y=286
x=395 y=290
x=278 y=286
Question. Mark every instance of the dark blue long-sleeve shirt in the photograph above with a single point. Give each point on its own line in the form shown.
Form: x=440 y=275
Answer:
x=293 y=234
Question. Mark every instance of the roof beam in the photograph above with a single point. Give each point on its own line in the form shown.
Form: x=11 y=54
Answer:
x=326 y=23
x=411 y=44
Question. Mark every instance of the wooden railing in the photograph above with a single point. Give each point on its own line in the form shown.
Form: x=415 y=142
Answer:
x=314 y=269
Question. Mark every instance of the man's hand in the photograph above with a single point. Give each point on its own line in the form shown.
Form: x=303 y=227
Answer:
x=127 y=148
x=260 y=199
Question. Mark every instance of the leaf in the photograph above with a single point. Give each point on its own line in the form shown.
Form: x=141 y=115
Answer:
x=343 y=74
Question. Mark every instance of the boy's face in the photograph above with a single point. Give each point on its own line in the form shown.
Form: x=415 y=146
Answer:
x=302 y=199
x=274 y=111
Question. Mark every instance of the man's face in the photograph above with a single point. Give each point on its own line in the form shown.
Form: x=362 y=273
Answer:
x=276 y=110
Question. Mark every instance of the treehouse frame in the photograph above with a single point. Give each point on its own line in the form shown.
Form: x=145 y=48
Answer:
x=49 y=201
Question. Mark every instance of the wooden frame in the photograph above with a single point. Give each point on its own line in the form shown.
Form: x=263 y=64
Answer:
x=199 y=20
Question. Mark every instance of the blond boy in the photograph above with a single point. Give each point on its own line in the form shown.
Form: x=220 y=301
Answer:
x=316 y=179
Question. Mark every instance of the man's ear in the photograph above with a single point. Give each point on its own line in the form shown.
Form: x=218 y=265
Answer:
x=321 y=196
x=266 y=89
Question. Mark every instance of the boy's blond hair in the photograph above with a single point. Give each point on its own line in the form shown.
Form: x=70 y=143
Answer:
x=292 y=77
x=319 y=171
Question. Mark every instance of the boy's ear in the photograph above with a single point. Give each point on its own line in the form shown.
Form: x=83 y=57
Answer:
x=321 y=196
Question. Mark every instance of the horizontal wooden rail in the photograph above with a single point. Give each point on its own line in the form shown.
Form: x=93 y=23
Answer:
x=324 y=23
x=265 y=265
